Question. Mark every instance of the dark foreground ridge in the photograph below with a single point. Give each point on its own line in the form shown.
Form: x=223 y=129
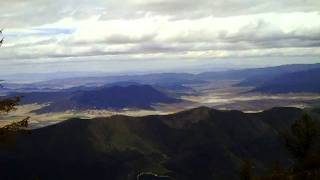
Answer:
x=152 y=176
x=200 y=143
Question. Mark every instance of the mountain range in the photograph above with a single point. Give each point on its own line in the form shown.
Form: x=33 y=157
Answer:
x=144 y=91
x=106 y=97
x=296 y=82
x=174 y=82
x=200 y=143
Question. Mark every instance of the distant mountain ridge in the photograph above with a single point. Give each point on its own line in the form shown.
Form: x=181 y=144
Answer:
x=107 y=97
x=200 y=143
x=182 y=84
x=250 y=77
x=296 y=82
x=255 y=76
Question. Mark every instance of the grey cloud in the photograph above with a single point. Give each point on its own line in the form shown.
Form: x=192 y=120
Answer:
x=259 y=35
x=162 y=48
x=112 y=39
x=200 y=8
x=21 y=13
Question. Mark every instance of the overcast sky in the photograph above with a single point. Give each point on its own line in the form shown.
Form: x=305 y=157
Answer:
x=150 y=35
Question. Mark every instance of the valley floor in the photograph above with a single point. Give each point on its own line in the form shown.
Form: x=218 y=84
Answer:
x=226 y=95
x=223 y=95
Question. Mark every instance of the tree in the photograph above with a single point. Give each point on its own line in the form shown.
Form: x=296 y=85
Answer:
x=8 y=105
x=303 y=144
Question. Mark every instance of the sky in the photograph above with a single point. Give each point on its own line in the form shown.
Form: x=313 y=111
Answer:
x=156 y=35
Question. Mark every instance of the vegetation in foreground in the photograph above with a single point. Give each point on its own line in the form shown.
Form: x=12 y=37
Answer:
x=303 y=144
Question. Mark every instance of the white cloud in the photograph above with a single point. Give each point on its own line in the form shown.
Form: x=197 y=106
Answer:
x=176 y=29
x=226 y=36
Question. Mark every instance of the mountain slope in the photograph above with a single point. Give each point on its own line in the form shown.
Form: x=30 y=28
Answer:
x=201 y=143
x=114 y=97
x=161 y=79
x=256 y=76
x=304 y=81
x=250 y=77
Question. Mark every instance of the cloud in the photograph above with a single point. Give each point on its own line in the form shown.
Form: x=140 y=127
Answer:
x=177 y=29
x=21 y=13
x=226 y=36
x=227 y=7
